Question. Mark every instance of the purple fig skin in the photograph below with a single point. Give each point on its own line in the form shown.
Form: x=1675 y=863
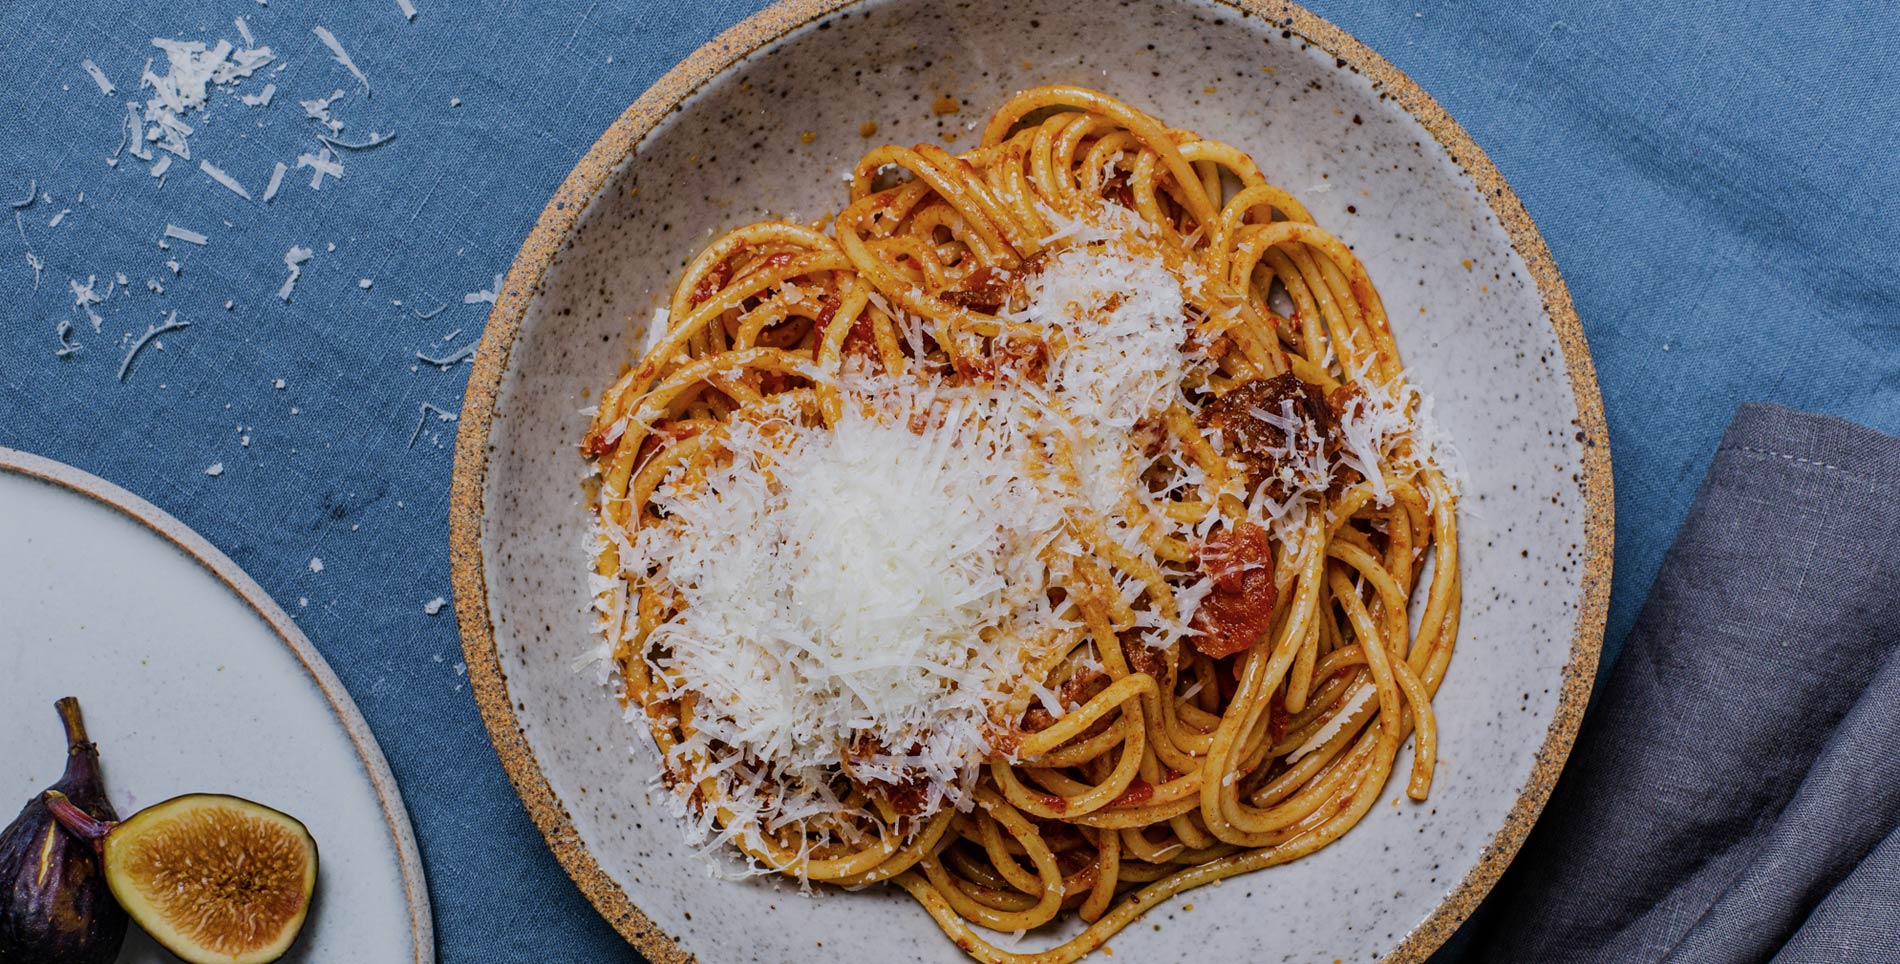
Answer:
x=55 y=907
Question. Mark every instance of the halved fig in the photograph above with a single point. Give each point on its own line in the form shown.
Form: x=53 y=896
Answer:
x=215 y=879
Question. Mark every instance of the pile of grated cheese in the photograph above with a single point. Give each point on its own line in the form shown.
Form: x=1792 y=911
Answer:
x=1121 y=321
x=869 y=585
x=1118 y=318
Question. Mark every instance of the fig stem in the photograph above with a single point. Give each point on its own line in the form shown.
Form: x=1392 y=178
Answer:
x=76 y=821
x=75 y=724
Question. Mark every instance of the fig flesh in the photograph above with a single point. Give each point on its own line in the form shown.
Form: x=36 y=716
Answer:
x=215 y=879
x=55 y=905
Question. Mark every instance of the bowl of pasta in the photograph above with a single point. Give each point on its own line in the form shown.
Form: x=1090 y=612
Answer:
x=1024 y=482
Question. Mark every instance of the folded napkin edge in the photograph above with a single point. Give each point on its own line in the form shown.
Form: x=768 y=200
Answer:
x=1813 y=439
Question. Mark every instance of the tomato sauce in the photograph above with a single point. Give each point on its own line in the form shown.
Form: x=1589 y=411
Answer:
x=1239 y=609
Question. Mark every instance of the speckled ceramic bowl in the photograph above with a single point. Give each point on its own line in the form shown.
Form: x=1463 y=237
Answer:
x=760 y=123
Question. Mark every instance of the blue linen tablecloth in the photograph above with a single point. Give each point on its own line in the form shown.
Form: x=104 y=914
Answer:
x=1717 y=181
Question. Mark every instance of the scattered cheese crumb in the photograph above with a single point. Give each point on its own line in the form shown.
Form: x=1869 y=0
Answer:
x=84 y=297
x=216 y=469
x=432 y=607
x=465 y=352
x=336 y=51
x=99 y=77
x=319 y=110
x=294 y=260
x=276 y=181
x=316 y=564
x=151 y=334
x=488 y=295
x=261 y=98
x=364 y=283
x=61 y=216
x=322 y=164
x=422 y=420
x=375 y=139
x=64 y=332
x=409 y=12
x=217 y=174
x=184 y=234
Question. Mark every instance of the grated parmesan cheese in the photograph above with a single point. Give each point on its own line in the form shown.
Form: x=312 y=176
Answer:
x=342 y=57
x=1374 y=426
x=1357 y=701
x=321 y=164
x=1115 y=316
x=64 y=332
x=294 y=259
x=877 y=590
x=192 y=69
x=488 y=295
x=152 y=332
x=84 y=297
x=184 y=234
x=319 y=110
x=276 y=181
x=106 y=86
x=1121 y=321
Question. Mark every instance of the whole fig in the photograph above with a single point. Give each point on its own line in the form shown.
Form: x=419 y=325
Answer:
x=55 y=904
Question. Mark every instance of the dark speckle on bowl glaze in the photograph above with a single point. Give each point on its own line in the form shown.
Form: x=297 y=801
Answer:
x=1479 y=311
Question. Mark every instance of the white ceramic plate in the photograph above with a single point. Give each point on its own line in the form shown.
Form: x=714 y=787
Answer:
x=760 y=123
x=192 y=680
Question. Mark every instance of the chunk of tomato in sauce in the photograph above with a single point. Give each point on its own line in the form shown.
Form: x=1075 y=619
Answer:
x=1238 y=610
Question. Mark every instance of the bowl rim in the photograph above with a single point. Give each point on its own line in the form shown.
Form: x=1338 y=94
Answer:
x=557 y=223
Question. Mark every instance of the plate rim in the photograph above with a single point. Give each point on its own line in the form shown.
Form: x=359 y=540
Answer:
x=555 y=225
x=187 y=540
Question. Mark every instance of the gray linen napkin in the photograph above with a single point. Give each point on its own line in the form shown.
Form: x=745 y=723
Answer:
x=1735 y=794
